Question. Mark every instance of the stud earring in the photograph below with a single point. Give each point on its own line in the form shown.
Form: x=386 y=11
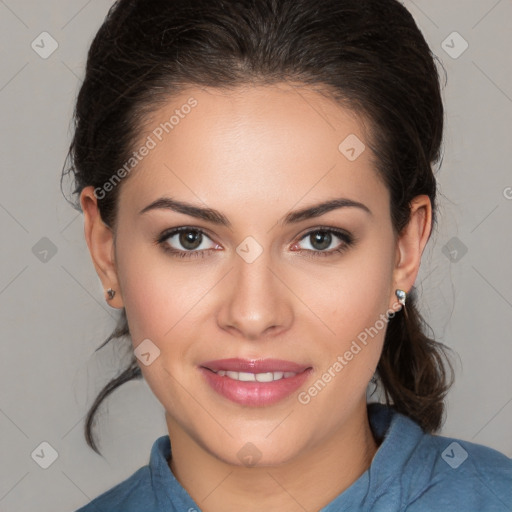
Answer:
x=401 y=296
x=111 y=294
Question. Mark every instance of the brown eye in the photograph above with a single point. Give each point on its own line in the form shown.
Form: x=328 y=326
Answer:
x=321 y=239
x=185 y=242
x=189 y=239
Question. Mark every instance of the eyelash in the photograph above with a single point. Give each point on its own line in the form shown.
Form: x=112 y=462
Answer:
x=348 y=241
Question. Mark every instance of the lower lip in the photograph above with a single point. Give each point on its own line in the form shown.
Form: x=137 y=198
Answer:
x=254 y=394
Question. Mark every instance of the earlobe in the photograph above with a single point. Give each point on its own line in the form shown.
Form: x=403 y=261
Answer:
x=411 y=242
x=100 y=241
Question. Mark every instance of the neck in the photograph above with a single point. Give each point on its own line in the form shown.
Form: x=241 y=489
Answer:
x=310 y=481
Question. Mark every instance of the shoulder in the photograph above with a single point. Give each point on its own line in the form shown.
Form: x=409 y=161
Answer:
x=452 y=474
x=131 y=495
x=414 y=471
x=144 y=490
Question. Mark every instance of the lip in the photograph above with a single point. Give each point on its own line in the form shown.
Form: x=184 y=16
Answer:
x=254 y=394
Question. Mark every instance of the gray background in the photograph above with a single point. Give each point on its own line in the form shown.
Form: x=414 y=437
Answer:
x=53 y=314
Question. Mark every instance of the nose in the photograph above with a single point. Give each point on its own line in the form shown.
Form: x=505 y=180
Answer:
x=256 y=301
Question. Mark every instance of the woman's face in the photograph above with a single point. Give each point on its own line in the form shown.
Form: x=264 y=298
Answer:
x=265 y=277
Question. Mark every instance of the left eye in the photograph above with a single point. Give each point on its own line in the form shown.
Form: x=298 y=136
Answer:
x=323 y=238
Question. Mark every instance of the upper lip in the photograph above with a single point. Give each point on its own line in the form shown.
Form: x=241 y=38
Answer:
x=254 y=365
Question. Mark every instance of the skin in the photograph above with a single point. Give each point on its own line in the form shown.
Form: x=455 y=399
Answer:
x=255 y=154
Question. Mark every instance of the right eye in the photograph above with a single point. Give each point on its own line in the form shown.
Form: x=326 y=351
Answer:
x=191 y=239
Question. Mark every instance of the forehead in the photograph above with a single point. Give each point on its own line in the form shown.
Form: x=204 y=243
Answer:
x=251 y=146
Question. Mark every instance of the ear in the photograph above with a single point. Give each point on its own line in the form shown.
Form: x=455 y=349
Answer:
x=100 y=240
x=410 y=245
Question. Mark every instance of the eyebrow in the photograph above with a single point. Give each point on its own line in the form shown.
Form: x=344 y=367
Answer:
x=215 y=217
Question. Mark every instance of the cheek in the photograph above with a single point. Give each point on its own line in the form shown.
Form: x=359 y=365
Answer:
x=357 y=302
x=160 y=301
x=357 y=291
x=163 y=297
x=157 y=297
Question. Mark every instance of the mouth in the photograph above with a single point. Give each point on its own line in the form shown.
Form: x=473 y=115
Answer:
x=254 y=382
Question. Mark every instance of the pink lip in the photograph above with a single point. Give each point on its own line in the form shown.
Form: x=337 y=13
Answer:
x=254 y=394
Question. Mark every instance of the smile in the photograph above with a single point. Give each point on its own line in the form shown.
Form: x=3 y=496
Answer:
x=254 y=383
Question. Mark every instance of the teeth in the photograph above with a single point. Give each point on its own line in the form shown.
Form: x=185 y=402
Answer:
x=255 y=377
x=246 y=377
x=269 y=377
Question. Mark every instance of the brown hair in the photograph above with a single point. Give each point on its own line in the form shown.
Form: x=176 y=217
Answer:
x=368 y=54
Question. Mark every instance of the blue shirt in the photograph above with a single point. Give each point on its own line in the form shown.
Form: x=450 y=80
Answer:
x=411 y=471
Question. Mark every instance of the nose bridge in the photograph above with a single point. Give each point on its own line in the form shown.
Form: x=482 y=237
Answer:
x=256 y=298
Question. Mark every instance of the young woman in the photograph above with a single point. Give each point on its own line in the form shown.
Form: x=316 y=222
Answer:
x=257 y=188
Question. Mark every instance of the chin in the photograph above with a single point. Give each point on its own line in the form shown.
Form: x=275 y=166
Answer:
x=258 y=452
